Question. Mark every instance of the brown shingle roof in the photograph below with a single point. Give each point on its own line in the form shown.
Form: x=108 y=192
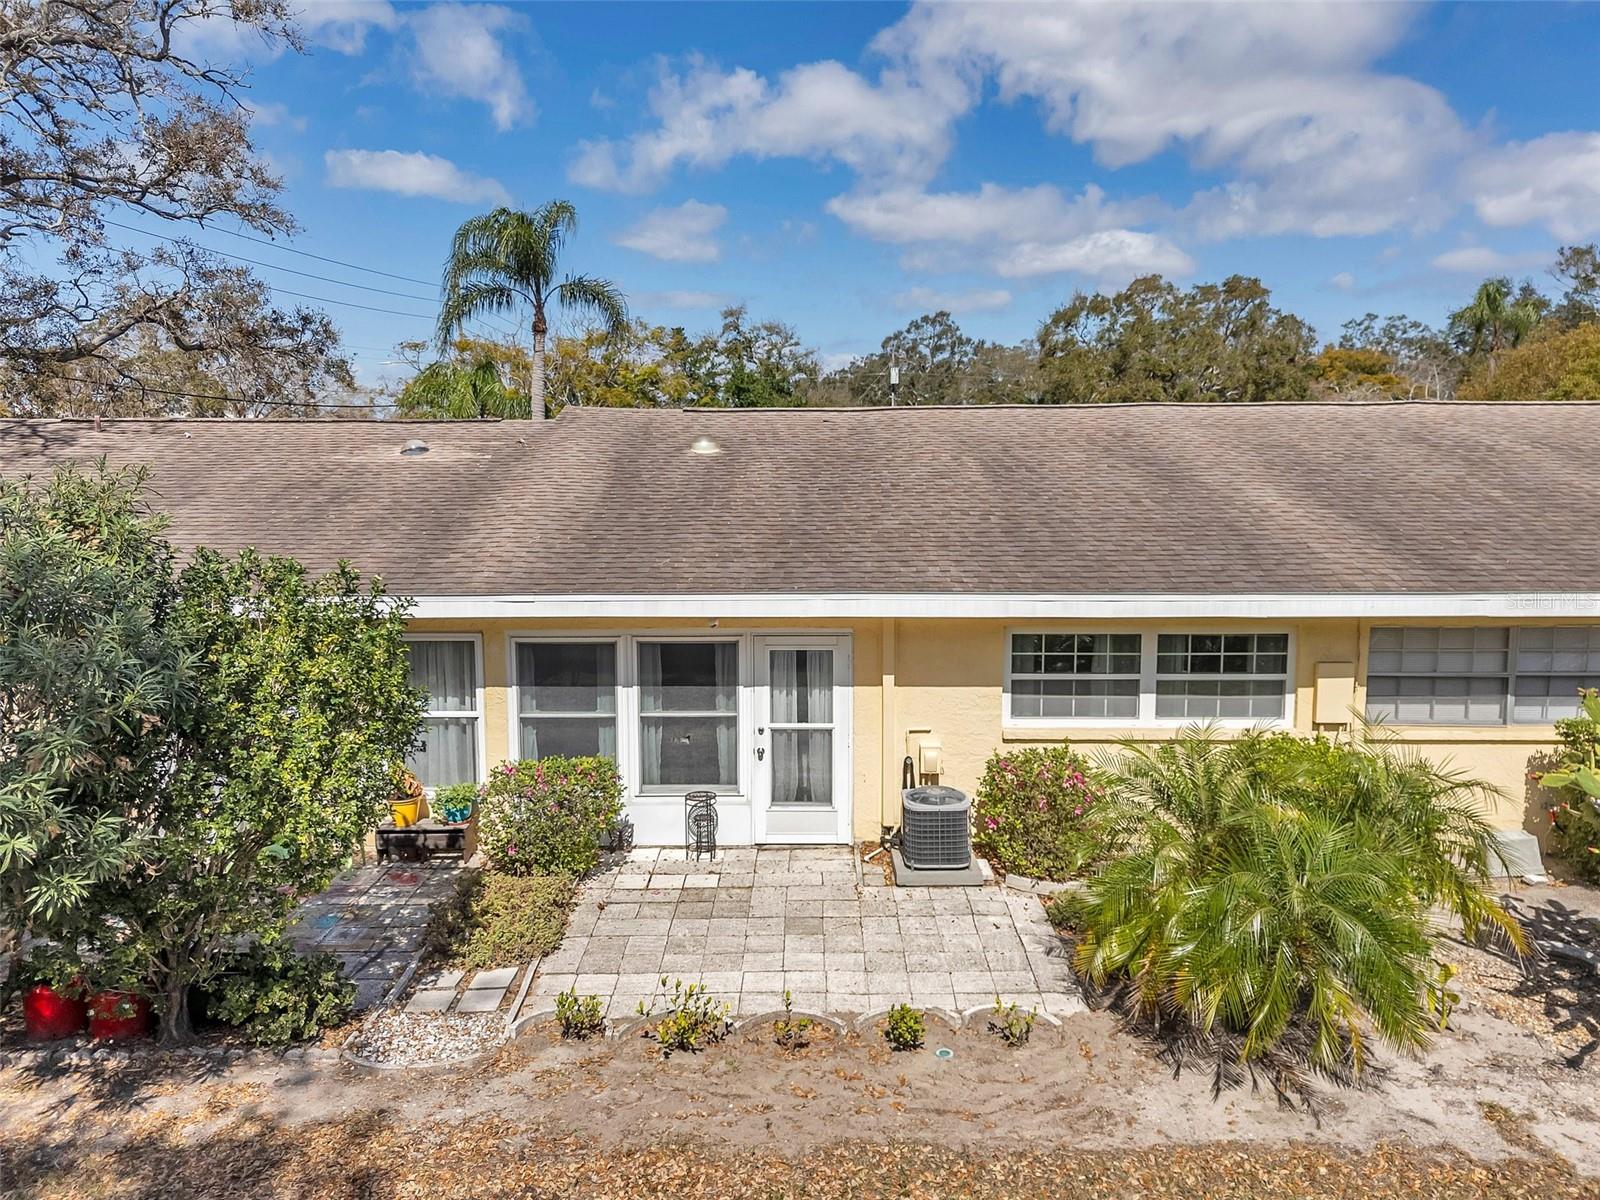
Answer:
x=1095 y=499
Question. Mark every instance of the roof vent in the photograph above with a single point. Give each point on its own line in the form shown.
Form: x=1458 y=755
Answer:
x=704 y=445
x=414 y=447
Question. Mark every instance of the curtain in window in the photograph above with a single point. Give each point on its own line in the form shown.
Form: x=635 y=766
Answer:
x=448 y=754
x=688 y=702
x=446 y=671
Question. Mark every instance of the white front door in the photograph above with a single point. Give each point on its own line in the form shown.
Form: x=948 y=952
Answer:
x=801 y=747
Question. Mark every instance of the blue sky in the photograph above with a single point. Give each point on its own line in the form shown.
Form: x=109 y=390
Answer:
x=847 y=166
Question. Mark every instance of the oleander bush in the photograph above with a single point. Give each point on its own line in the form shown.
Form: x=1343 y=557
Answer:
x=686 y=1017
x=547 y=817
x=1037 y=812
x=492 y=920
x=1273 y=902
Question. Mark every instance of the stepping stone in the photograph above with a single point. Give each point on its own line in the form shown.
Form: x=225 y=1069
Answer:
x=431 y=1000
x=442 y=979
x=500 y=977
x=481 y=1001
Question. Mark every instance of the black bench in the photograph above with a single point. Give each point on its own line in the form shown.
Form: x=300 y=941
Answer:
x=422 y=840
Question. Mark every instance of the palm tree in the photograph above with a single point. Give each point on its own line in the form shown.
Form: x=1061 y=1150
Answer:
x=1496 y=318
x=505 y=261
x=461 y=389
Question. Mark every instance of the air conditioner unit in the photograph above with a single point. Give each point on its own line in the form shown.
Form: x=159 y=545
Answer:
x=936 y=828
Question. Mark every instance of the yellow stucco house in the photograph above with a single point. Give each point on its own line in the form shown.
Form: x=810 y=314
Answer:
x=782 y=605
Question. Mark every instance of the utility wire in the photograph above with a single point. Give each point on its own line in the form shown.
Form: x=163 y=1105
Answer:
x=338 y=262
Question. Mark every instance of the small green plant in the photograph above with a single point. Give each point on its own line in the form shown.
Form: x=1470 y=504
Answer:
x=790 y=1031
x=580 y=1016
x=689 y=1018
x=1441 y=1001
x=905 y=1028
x=277 y=996
x=453 y=804
x=1013 y=1025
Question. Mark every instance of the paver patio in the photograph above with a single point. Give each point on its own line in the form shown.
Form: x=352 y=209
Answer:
x=373 y=918
x=755 y=923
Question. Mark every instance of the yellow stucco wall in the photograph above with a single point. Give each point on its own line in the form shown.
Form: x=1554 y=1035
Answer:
x=948 y=678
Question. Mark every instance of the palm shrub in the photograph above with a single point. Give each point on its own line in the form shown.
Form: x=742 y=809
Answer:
x=1272 y=903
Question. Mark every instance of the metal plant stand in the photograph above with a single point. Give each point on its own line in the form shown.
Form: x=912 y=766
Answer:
x=700 y=824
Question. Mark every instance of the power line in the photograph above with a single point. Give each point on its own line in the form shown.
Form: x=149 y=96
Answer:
x=504 y=329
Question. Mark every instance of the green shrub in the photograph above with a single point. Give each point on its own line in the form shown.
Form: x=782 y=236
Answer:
x=546 y=817
x=493 y=920
x=689 y=1018
x=1274 y=896
x=580 y=1016
x=1037 y=812
x=1013 y=1025
x=904 y=1029
x=790 y=1031
x=1575 y=819
x=277 y=996
x=454 y=803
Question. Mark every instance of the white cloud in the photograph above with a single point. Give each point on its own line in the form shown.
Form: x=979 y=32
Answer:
x=459 y=52
x=1481 y=260
x=681 y=299
x=1285 y=97
x=343 y=25
x=1110 y=256
x=271 y=114
x=894 y=128
x=925 y=300
x=680 y=234
x=1343 y=281
x=1552 y=180
x=413 y=174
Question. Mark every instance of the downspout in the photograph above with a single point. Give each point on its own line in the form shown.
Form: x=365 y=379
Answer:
x=890 y=764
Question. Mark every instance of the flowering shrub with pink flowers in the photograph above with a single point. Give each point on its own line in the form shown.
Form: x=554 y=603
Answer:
x=1036 y=812
x=546 y=817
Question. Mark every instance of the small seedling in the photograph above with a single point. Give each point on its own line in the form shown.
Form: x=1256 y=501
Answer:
x=580 y=1016
x=904 y=1029
x=1439 y=997
x=789 y=1030
x=1013 y=1025
x=690 y=1018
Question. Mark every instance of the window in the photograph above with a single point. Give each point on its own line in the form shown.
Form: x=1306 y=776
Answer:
x=1075 y=676
x=447 y=670
x=567 y=699
x=688 y=714
x=1479 y=676
x=1147 y=677
x=1221 y=676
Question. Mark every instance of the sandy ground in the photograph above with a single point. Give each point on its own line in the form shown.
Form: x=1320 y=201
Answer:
x=1504 y=1104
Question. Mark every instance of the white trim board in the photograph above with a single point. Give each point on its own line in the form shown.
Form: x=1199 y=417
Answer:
x=1133 y=605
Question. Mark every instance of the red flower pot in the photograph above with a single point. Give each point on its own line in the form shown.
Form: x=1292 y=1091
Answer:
x=47 y=1015
x=118 y=1016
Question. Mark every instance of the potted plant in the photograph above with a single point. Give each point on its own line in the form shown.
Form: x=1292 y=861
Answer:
x=118 y=1011
x=406 y=806
x=53 y=1004
x=453 y=804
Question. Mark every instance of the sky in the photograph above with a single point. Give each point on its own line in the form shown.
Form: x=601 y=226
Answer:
x=845 y=167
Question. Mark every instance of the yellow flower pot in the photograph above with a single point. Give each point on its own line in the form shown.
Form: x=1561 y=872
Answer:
x=406 y=812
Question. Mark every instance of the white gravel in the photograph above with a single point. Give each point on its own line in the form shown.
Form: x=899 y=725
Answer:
x=399 y=1038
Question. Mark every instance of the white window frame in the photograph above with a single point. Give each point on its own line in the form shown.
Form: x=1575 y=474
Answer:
x=479 y=742
x=1147 y=718
x=1508 y=677
x=742 y=700
x=514 y=731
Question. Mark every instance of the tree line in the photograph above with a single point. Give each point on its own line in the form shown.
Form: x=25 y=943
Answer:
x=103 y=121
